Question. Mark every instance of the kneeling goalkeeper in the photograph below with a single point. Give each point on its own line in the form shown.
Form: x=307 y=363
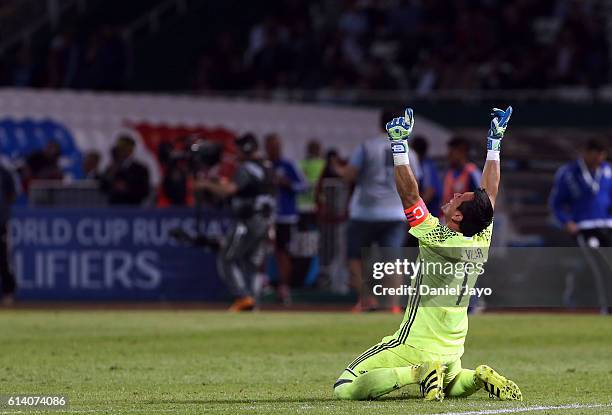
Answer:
x=428 y=346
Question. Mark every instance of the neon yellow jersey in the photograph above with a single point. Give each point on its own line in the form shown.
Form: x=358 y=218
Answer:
x=450 y=263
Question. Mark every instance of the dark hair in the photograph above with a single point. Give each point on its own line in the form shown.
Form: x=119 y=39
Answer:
x=420 y=145
x=595 y=144
x=477 y=213
x=247 y=143
x=386 y=115
x=313 y=146
x=459 y=143
x=331 y=153
x=92 y=154
x=126 y=140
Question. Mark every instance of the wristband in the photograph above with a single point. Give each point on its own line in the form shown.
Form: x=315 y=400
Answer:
x=399 y=148
x=493 y=148
x=492 y=155
x=417 y=213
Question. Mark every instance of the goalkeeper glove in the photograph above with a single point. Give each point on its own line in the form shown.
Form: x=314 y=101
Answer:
x=399 y=130
x=498 y=126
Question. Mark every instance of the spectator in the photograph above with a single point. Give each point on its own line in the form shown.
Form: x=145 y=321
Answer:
x=126 y=180
x=63 y=60
x=581 y=201
x=220 y=68
x=327 y=209
x=44 y=164
x=175 y=182
x=24 y=70
x=323 y=45
x=331 y=196
x=175 y=172
x=105 y=59
x=462 y=175
x=91 y=166
x=429 y=185
x=312 y=167
x=376 y=215
x=8 y=193
x=290 y=182
x=271 y=63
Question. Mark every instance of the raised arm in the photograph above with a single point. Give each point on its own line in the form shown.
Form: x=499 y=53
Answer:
x=491 y=172
x=407 y=186
x=399 y=130
x=490 y=179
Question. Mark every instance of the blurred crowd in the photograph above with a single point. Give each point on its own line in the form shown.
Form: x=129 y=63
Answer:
x=413 y=44
x=95 y=58
x=356 y=45
x=125 y=181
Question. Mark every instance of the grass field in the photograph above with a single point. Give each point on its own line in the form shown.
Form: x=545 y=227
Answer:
x=193 y=362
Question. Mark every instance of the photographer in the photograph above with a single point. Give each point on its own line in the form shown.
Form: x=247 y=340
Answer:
x=252 y=200
x=191 y=158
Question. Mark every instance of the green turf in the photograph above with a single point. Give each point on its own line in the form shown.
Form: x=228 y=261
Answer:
x=211 y=362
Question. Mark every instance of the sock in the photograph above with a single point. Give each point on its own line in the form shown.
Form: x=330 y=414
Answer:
x=463 y=385
x=375 y=383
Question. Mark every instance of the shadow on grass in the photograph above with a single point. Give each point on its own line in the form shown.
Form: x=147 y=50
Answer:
x=268 y=401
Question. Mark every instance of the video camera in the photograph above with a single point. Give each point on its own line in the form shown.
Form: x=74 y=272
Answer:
x=205 y=153
x=198 y=152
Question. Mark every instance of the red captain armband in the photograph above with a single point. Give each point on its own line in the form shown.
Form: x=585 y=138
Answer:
x=417 y=213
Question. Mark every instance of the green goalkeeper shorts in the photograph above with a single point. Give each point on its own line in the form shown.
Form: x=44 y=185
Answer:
x=382 y=356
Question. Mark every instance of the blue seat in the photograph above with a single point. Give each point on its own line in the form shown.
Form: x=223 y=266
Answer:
x=20 y=138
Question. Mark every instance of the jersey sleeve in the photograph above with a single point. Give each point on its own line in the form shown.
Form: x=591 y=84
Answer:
x=431 y=232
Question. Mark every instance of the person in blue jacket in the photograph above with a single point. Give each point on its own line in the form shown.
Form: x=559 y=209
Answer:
x=581 y=201
x=290 y=183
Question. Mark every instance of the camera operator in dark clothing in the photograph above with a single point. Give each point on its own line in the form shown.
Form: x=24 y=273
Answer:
x=207 y=164
x=253 y=202
x=175 y=172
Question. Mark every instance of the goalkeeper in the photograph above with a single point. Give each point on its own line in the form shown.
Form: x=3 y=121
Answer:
x=428 y=346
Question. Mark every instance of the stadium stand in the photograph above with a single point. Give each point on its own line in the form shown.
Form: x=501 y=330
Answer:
x=331 y=47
